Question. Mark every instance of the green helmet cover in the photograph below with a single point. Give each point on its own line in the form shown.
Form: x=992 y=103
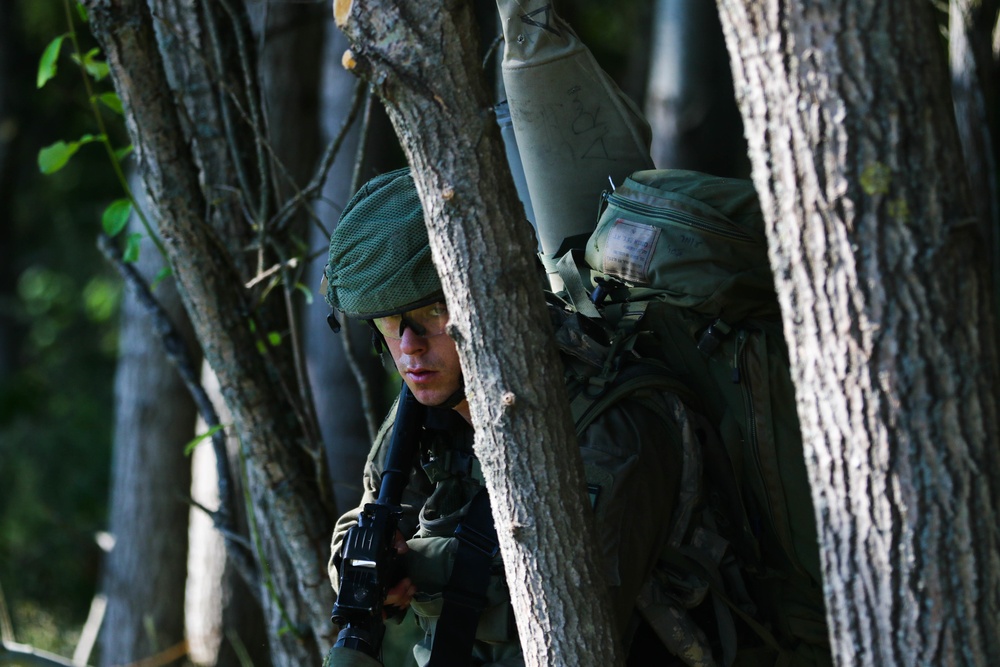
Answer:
x=380 y=257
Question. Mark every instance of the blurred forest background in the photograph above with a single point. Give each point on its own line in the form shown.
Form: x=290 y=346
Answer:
x=63 y=323
x=59 y=304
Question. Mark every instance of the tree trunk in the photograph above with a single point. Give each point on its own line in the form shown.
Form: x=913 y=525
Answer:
x=238 y=328
x=423 y=62
x=971 y=57
x=203 y=598
x=886 y=303
x=224 y=622
x=145 y=571
x=689 y=100
x=222 y=609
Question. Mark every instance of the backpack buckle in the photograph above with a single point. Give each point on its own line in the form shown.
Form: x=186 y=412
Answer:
x=713 y=336
x=484 y=544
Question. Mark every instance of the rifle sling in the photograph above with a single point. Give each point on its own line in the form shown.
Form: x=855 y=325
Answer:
x=465 y=594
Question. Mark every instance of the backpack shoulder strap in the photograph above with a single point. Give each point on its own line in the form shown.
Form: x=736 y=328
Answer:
x=465 y=594
x=571 y=269
x=635 y=377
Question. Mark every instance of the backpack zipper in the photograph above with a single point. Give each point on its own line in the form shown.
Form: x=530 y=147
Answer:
x=678 y=217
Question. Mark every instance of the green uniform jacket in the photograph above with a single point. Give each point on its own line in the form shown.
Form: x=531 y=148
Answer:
x=632 y=460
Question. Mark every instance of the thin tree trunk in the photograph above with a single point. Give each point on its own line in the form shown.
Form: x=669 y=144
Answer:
x=223 y=615
x=882 y=278
x=689 y=100
x=971 y=59
x=144 y=573
x=222 y=611
x=424 y=61
x=206 y=561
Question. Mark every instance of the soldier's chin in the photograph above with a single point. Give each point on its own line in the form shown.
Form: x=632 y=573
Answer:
x=450 y=401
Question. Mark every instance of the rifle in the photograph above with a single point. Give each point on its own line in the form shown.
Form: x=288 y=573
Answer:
x=369 y=554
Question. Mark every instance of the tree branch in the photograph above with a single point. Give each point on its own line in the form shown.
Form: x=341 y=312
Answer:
x=12 y=653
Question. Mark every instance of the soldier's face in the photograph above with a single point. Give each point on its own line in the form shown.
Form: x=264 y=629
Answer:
x=427 y=361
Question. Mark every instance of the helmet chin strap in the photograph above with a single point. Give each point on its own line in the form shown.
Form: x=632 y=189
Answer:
x=457 y=397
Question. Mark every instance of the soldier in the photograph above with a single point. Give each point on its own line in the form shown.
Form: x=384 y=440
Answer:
x=380 y=271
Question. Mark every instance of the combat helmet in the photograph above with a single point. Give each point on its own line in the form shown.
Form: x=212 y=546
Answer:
x=380 y=257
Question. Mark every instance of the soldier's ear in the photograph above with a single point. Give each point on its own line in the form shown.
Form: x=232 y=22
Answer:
x=378 y=342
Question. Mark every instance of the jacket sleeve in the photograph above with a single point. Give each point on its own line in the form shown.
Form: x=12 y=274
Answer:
x=349 y=519
x=372 y=474
x=346 y=657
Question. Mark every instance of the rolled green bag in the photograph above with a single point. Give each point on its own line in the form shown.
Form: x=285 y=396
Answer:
x=574 y=127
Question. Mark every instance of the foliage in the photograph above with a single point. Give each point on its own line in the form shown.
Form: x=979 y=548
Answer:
x=56 y=394
x=54 y=157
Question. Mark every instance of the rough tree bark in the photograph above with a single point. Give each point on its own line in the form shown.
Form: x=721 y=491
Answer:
x=290 y=519
x=190 y=36
x=886 y=306
x=423 y=62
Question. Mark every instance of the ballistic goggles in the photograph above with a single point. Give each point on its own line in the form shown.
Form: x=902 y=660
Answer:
x=427 y=321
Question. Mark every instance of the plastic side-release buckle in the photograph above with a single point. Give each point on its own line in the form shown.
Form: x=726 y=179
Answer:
x=713 y=336
x=484 y=544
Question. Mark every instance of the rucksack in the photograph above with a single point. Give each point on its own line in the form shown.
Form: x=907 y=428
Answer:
x=674 y=292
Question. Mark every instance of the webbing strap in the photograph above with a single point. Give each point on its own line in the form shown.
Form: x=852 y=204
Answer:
x=574 y=285
x=465 y=594
x=710 y=574
x=634 y=378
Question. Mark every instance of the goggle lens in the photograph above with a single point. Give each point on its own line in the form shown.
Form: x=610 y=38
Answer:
x=427 y=321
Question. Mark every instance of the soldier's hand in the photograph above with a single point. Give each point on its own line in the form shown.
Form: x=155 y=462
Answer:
x=398 y=597
x=400 y=544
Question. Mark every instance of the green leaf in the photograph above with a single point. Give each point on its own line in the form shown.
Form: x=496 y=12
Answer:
x=188 y=448
x=131 y=253
x=82 y=12
x=306 y=291
x=274 y=338
x=116 y=216
x=98 y=69
x=123 y=152
x=113 y=102
x=47 y=65
x=162 y=275
x=54 y=157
